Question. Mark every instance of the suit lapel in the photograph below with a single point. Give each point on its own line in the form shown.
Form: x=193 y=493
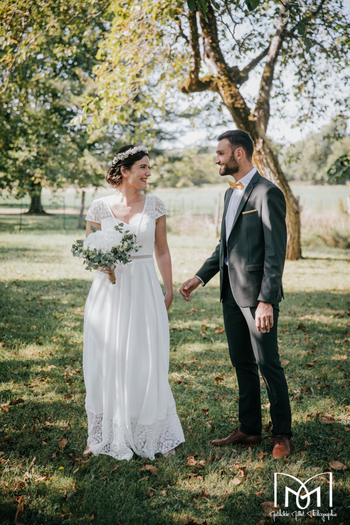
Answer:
x=245 y=197
x=223 y=226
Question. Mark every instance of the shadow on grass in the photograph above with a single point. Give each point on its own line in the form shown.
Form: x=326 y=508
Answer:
x=57 y=222
x=41 y=332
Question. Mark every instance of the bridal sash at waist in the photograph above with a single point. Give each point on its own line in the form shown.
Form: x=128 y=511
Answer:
x=135 y=257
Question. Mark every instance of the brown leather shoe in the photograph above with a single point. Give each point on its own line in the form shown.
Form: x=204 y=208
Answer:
x=237 y=437
x=281 y=447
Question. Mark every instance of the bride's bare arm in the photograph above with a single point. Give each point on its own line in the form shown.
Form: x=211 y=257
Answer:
x=163 y=259
x=89 y=224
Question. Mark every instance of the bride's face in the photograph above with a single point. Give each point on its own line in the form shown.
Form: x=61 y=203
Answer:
x=138 y=174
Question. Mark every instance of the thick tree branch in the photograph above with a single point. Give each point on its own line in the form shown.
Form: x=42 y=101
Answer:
x=243 y=75
x=262 y=108
x=225 y=77
x=193 y=83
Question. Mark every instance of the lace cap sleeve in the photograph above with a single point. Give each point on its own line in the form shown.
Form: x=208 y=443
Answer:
x=159 y=208
x=94 y=212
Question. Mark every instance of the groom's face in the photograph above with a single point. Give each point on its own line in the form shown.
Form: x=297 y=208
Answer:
x=225 y=158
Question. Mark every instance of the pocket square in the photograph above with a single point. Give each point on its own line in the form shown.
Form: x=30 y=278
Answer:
x=250 y=211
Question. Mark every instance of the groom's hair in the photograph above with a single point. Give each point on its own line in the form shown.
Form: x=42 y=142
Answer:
x=238 y=137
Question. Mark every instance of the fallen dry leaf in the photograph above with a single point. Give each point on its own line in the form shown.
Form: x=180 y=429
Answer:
x=151 y=494
x=262 y=454
x=305 y=389
x=203 y=494
x=192 y=311
x=205 y=411
x=221 y=507
x=48 y=424
x=152 y=469
x=20 y=508
x=285 y=362
x=5 y=407
x=337 y=465
x=191 y=461
x=190 y=521
x=268 y=426
x=220 y=330
x=114 y=470
x=236 y=481
x=268 y=508
x=62 y=443
x=164 y=493
x=326 y=419
x=67 y=396
x=261 y=522
x=301 y=326
x=16 y=401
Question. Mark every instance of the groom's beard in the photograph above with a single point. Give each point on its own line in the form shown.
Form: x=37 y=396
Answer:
x=230 y=168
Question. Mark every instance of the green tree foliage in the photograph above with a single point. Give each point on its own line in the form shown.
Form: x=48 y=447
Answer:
x=159 y=51
x=48 y=51
x=187 y=167
x=318 y=156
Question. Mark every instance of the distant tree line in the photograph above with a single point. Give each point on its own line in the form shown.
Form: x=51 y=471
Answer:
x=315 y=159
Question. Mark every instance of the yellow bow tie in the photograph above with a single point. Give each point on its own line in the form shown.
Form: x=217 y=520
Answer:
x=234 y=185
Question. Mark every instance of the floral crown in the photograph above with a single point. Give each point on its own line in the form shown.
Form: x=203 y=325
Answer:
x=125 y=154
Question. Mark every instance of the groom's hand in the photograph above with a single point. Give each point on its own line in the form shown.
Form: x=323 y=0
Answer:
x=188 y=287
x=264 y=317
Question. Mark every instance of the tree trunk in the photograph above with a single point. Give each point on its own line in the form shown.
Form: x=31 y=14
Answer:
x=36 y=207
x=80 y=221
x=268 y=165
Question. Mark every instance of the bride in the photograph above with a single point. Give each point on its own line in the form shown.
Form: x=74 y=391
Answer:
x=129 y=404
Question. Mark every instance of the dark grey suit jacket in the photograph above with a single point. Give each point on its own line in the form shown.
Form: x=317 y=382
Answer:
x=256 y=247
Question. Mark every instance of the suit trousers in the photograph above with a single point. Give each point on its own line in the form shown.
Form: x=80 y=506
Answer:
x=250 y=349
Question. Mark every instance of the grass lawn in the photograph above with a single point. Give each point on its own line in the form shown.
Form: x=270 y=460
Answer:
x=46 y=480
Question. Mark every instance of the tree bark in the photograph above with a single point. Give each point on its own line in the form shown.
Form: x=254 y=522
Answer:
x=267 y=163
x=226 y=81
x=36 y=207
x=81 y=214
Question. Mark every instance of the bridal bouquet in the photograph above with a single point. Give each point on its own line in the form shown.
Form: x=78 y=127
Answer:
x=104 y=249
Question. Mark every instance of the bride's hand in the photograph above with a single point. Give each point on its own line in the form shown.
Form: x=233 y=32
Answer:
x=168 y=299
x=103 y=270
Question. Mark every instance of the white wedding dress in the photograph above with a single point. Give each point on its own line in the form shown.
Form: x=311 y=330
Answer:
x=129 y=404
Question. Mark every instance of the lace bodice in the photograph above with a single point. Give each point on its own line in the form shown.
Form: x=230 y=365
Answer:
x=143 y=224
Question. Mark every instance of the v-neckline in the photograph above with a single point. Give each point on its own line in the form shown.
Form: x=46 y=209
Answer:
x=120 y=220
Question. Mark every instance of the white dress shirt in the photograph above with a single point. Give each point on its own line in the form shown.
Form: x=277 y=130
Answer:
x=235 y=200
x=236 y=197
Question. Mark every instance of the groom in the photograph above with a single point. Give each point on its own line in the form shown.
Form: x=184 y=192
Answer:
x=250 y=258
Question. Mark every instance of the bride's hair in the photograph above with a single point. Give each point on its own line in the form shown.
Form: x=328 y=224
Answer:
x=114 y=176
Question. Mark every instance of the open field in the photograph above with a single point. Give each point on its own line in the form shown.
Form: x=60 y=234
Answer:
x=43 y=426
x=195 y=200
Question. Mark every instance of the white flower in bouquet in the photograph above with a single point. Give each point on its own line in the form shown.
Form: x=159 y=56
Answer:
x=103 y=241
x=105 y=249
